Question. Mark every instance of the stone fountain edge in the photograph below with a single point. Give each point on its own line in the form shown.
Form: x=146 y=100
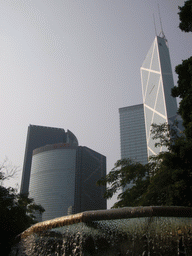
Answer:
x=119 y=213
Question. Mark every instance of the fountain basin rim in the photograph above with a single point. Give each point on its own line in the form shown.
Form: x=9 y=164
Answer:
x=119 y=213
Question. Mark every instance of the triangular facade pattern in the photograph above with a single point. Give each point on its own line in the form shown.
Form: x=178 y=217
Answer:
x=157 y=82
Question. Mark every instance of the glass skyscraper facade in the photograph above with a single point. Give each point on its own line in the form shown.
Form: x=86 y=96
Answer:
x=62 y=175
x=38 y=136
x=52 y=181
x=158 y=105
x=157 y=82
x=132 y=133
x=90 y=167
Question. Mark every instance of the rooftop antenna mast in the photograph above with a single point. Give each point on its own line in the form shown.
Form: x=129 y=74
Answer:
x=161 y=33
x=154 y=24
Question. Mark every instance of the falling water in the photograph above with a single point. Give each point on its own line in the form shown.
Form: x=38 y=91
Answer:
x=139 y=236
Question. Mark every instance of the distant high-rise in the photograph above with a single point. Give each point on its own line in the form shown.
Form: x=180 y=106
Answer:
x=90 y=167
x=62 y=175
x=157 y=82
x=38 y=136
x=158 y=105
x=132 y=133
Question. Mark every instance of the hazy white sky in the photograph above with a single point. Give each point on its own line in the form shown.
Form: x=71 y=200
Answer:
x=73 y=63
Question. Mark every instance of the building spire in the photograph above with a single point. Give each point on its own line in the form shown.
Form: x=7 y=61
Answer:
x=154 y=24
x=161 y=34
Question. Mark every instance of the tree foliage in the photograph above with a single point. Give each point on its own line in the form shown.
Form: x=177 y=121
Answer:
x=185 y=16
x=184 y=91
x=125 y=172
x=16 y=211
x=165 y=180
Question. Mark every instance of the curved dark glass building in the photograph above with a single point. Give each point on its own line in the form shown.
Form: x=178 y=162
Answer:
x=52 y=181
x=60 y=175
x=38 y=136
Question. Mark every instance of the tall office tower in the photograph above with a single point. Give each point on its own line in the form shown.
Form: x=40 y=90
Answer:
x=157 y=82
x=158 y=105
x=38 y=136
x=52 y=181
x=132 y=133
x=90 y=167
x=62 y=177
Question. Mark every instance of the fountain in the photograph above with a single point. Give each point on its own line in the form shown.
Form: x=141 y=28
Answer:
x=136 y=231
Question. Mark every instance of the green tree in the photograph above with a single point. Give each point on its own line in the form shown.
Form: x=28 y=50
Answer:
x=184 y=91
x=165 y=180
x=171 y=181
x=185 y=16
x=16 y=211
x=126 y=172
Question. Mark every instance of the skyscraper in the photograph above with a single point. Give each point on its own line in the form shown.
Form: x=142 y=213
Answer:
x=38 y=136
x=132 y=133
x=157 y=82
x=62 y=175
x=52 y=181
x=158 y=105
x=90 y=167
